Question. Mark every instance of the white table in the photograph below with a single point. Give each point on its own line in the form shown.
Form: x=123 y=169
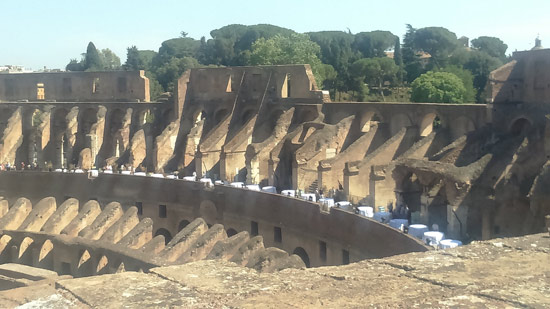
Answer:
x=107 y=172
x=397 y=223
x=126 y=172
x=93 y=173
x=329 y=202
x=366 y=211
x=189 y=178
x=307 y=196
x=157 y=175
x=382 y=216
x=417 y=230
x=253 y=187
x=207 y=182
x=432 y=237
x=171 y=177
x=344 y=205
x=270 y=189
x=288 y=192
x=449 y=243
x=140 y=174
x=237 y=184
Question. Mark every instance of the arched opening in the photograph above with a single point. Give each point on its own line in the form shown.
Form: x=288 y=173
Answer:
x=398 y=122
x=429 y=123
x=301 y=252
x=520 y=126
x=461 y=126
x=305 y=115
x=410 y=194
x=368 y=120
x=231 y=232
x=198 y=117
x=116 y=124
x=208 y=211
x=182 y=225
x=165 y=233
x=247 y=115
x=87 y=120
x=220 y=115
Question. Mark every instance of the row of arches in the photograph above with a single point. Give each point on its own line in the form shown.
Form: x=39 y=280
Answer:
x=426 y=124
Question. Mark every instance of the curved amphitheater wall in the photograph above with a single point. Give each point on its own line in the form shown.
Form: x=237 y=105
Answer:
x=331 y=238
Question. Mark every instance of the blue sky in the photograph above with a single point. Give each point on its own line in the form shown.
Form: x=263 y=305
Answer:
x=50 y=32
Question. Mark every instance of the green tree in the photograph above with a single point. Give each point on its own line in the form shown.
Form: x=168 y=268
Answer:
x=92 y=59
x=374 y=72
x=398 y=59
x=170 y=71
x=438 y=87
x=374 y=43
x=437 y=41
x=230 y=45
x=491 y=45
x=296 y=49
x=336 y=50
x=74 y=66
x=411 y=61
x=109 y=60
x=467 y=80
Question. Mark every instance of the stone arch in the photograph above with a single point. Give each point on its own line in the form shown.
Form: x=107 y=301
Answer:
x=302 y=253
x=247 y=115
x=208 y=211
x=165 y=233
x=305 y=115
x=430 y=122
x=230 y=232
x=520 y=125
x=142 y=116
x=220 y=115
x=183 y=224
x=368 y=119
x=461 y=126
x=399 y=121
x=59 y=139
x=411 y=191
x=198 y=116
x=87 y=119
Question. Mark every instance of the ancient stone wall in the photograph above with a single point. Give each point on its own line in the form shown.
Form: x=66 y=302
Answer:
x=75 y=87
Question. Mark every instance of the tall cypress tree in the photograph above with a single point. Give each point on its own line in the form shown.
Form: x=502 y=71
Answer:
x=93 y=61
x=398 y=58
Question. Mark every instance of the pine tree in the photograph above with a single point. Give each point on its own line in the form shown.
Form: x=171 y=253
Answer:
x=92 y=59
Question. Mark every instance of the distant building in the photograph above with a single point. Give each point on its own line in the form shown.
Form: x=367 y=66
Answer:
x=9 y=69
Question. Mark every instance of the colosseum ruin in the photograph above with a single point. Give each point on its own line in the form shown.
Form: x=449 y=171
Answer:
x=113 y=200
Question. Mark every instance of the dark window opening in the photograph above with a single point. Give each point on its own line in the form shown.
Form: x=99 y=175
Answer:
x=121 y=84
x=231 y=232
x=165 y=233
x=67 y=85
x=345 y=257
x=139 y=206
x=162 y=211
x=323 y=250
x=253 y=228
x=277 y=234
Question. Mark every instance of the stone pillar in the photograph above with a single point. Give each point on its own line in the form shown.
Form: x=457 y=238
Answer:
x=486 y=226
x=271 y=171
x=424 y=211
x=456 y=221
